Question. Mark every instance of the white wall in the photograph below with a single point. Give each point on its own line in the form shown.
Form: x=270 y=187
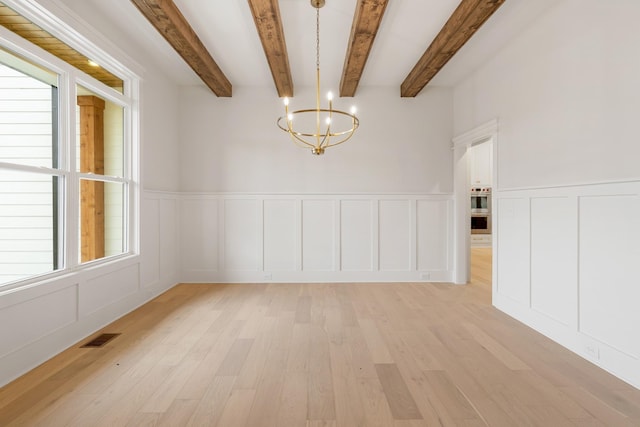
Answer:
x=233 y=144
x=54 y=314
x=256 y=208
x=160 y=138
x=566 y=95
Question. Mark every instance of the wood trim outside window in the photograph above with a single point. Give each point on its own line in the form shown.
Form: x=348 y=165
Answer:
x=92 y=244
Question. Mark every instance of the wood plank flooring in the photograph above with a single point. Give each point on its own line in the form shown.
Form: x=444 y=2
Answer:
x=330 y=355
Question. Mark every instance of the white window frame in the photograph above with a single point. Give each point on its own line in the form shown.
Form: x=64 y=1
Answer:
x=69 y=78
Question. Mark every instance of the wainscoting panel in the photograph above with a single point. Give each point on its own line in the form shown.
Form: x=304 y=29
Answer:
x=242 y=240
x=150 y=245
x=575 y=251
x=395 y=235
x=199 y=234
x=280 y=235
x=60 y=310
x=513 y=249
x=609 y=261
x=356 y=235
x=432 y=236
x=318 y=231
x=169 y=241
x=99 y=292
x=251 y=238
x=48 y=313
x=554 y=278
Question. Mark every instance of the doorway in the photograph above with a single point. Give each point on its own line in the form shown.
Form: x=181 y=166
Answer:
x=480 y=173
x=475 y=167
x=480 y=166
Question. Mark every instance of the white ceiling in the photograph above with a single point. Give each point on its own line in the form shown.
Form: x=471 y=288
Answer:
x=227 y=30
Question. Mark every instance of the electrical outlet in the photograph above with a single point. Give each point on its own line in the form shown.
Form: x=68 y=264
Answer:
x=425 y=276
x=267 y=276
x=593 y=351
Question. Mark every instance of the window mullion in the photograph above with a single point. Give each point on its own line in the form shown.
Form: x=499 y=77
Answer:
x=104 y=178
x=30 y=169
x=68 y=142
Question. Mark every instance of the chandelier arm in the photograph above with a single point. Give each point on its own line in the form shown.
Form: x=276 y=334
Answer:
x=327 y=137
x=328 y=134
x=350 y=133
x=340 y=142
x=289 y=124
x=345 y=132
x=295 y=136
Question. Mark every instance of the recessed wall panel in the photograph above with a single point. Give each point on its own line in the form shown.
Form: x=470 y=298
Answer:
x=554 y=287
x=355 y=235
x=168 y=239
x=395 y=235
x=432 y=223
x=513 y=248
x=150 y=242
x=609 y=257
x=280 y=235
x=318 y=231
x=199 y=239
x=25 y=322
x=242 y=239
x=99 y=292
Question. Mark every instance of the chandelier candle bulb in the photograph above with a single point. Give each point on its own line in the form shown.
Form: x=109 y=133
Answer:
x=315 y=137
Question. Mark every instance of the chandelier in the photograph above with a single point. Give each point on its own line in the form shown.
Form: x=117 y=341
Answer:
x=317 y=130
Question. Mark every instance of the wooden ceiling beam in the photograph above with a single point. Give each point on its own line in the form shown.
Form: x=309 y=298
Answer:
x=366 y=22
x=461 y=26
x=266 y=15
x=165 y=16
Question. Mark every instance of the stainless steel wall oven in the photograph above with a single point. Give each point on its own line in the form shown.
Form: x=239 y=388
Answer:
x=480 y=210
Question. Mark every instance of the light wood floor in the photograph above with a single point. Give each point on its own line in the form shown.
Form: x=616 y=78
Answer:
x=402 y=355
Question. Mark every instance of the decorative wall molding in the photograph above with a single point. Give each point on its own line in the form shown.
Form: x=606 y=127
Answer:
x=316 y=238
x=564 y=258
x=580 y=187
x=57 y=312
x=477 y=134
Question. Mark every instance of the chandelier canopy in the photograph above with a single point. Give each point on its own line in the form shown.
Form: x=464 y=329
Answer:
x=316 y=127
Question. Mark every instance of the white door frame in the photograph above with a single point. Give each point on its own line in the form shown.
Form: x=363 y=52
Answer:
x=462 y=222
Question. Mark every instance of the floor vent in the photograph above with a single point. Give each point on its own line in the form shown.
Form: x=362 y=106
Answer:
x=100 y=340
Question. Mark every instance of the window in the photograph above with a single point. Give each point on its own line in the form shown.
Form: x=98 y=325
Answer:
x=100 y=161
x=66 y=198
x=29 y=181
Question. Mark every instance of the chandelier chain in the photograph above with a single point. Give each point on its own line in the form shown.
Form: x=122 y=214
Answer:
x=318 y=139
x=317 y=38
